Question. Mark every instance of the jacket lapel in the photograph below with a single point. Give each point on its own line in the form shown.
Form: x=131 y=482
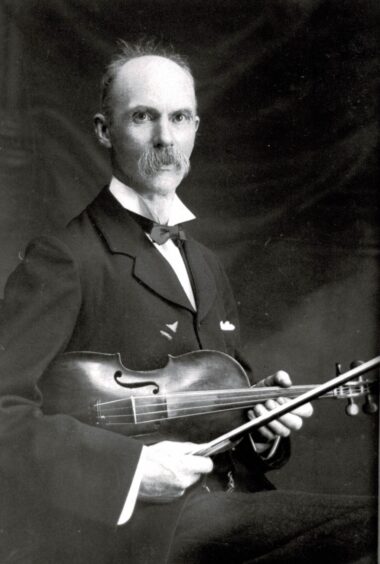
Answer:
x=155 y=272
x=123 y=235
x=204 y=281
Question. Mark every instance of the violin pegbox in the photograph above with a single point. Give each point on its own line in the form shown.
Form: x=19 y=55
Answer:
x=355 y=389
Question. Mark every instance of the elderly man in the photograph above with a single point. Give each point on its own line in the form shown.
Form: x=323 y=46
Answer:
x=117 y=280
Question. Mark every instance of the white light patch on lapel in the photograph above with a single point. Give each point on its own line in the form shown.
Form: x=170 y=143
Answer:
x=227 y=326
x=173 y=327
x=165 y=334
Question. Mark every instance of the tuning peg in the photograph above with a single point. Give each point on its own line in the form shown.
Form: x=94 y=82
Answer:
x=352 y=408
x=370 y=406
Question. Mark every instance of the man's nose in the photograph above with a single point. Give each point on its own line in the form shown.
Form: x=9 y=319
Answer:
x=163 y=136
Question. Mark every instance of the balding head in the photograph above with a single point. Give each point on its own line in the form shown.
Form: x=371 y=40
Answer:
x=150 y=81
x=129 y=51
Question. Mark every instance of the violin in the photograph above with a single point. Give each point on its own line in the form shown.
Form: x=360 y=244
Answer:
x=197 y=397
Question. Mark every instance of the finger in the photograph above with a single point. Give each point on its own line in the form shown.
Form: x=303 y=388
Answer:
x=199 y=464
x=174 y=447
x=292 y=425
x=305 y=410
x=282 y=378
x=290 y=420
x=180 y=493
x=275 y=426
x=186 y=447
x=279 y=378
x=266 y=433
x=162 y=498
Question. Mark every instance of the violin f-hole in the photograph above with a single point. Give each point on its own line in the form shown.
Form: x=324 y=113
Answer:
x=131 y=385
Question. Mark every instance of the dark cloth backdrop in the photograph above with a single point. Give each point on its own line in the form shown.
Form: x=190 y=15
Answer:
x=283 y=175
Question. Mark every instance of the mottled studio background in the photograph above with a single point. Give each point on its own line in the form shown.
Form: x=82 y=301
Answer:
x=283 y=179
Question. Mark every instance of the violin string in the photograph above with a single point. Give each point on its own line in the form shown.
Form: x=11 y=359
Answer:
x=255 y=396
x=206 y=409
x=202 y=393
x=161 y=401
x=211 y=411
x=221 y=408
x=174 y=417
x=192 y=404
x=193 y=395
x=253 y=393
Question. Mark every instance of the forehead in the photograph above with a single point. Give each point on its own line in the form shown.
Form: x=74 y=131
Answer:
x=153 y=81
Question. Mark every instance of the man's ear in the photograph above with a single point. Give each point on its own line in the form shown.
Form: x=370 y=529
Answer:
x=102 y=131
x=197 y=121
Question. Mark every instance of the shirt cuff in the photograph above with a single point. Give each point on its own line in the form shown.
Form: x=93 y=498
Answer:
x=130 y=501
x=270 y=452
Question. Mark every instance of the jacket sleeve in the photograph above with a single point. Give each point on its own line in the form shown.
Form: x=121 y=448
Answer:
x=53 y=460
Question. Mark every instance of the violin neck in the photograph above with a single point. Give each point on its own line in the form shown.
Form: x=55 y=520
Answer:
x=200 y=402
x=273 y=392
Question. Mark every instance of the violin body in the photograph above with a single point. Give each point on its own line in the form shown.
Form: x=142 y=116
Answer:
x=97 y=389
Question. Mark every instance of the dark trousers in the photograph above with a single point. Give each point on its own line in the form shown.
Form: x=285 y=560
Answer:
x=213 y=528
x=276 y=527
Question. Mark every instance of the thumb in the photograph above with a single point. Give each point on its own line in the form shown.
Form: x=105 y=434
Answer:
x=279 y=378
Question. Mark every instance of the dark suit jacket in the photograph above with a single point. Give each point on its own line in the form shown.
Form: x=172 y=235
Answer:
x=99 y=285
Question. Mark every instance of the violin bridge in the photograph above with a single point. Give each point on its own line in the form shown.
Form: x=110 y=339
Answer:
x=149 y=409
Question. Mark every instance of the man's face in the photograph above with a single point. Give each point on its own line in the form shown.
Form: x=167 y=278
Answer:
x=153 y=124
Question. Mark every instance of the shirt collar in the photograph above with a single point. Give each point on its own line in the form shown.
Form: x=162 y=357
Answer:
x=131 y=201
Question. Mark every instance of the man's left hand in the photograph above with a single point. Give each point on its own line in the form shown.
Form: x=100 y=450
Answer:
x=284 y=425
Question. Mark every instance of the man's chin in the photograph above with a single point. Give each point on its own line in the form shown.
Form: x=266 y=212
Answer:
x=163 y=182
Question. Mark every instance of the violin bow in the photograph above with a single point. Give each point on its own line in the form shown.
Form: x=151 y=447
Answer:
x=226 y=440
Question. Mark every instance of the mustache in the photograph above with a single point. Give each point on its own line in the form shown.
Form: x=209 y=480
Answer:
x=153 y=159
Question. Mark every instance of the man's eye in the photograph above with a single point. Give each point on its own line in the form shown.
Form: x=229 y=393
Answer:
x=178 y=118
x=140 y=117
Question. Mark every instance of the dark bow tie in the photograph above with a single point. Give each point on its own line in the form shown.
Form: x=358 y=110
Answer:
x=162 y=233
x=159 y=233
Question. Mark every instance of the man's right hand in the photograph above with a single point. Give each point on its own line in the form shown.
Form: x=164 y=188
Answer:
x=169 y=469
